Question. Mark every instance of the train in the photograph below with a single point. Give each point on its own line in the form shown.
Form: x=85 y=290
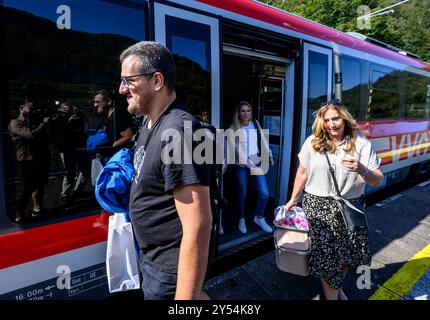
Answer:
x=225 y=51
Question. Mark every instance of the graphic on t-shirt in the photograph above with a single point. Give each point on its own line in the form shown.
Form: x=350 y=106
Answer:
x=139 y=158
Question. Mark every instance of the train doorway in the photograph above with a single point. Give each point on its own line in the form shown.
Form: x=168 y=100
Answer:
x=264 y=81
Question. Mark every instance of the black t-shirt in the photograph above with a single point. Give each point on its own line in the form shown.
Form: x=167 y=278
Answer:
x=113 y=125
x=116 y=123
x=156 y=223
x=100 y=122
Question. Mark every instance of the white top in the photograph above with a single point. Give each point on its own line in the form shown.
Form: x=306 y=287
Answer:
x=251 y=142
x=351 y=184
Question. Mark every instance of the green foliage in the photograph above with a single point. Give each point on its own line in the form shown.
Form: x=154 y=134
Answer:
x=407 y=28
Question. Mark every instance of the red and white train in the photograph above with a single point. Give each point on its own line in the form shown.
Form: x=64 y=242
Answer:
x=226 y=51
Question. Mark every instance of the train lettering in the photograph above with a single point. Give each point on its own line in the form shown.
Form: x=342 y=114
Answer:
x=397 y=148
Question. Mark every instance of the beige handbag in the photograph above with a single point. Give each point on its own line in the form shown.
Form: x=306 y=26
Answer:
x=292 y=249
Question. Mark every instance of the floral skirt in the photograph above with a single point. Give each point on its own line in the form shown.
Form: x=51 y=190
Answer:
x=333 y=246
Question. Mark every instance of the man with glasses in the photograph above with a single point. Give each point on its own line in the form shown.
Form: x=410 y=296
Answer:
x=169 y=202
x=116 y=123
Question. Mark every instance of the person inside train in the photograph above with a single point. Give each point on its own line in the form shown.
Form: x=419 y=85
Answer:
x=334 y=248
x=67 y=131
x=29 y=133
x=117 y=123
x=249 y=173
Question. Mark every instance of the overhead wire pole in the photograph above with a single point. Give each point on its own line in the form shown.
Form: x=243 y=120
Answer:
x=382 y=11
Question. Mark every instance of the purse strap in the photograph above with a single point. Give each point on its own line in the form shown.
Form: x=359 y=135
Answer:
x=349 y=204
x=332 y=175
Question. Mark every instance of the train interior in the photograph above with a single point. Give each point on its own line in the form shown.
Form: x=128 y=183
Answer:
x=258 y=76
x=261 y=84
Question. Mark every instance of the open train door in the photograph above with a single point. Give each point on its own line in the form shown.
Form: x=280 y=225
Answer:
x=317 y=83
x=194 y=39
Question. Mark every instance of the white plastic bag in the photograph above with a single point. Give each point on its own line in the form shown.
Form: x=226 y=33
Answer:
x=96 y=169
x=121 y=259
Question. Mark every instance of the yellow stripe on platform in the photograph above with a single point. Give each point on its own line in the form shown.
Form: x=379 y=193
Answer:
x=404 y=279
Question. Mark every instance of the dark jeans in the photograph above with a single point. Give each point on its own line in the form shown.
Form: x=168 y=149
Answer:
x=156 y=284
x=77 y=166
x=257 y=182
x=34 y=176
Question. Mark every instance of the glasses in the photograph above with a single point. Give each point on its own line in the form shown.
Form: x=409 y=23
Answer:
x=332 y=101
x=126 y=82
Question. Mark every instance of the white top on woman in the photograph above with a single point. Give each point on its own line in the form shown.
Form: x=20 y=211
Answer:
x=351 y=184
x=251 y=142
x=246 y=149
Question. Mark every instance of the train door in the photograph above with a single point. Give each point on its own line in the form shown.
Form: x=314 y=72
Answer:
x=317 y=83
x=193 y=38
x=271 y=115
x=266 y=81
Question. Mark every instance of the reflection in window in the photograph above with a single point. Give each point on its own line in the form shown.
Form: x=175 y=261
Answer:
x=384 y=105
x=59 y=71
x=351 y=85
x=189 y=42
x=385 y=97
x=271 y=96
x=384 y=80
x=317 y=84
x=417 y=96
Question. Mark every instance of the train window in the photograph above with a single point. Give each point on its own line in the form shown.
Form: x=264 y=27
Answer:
x=384 y=80
x=190 y=43
x=417 y=96
x=351 y=80
x=384 y=95
x=59 y=55
x=317 y=84
x=384 y=105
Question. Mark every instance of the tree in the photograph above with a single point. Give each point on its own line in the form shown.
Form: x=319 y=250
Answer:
x=337 y=14
x=407 y=28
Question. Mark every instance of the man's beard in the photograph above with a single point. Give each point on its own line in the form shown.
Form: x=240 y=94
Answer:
x=142 y=108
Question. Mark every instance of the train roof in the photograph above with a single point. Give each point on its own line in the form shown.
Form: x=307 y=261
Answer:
x=280 y=18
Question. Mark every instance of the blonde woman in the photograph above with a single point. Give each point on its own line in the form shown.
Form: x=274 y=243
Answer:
x=250 y=148
x=334 y=247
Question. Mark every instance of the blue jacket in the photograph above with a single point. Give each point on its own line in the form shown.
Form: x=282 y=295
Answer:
x=113 y=185
x=96 y=140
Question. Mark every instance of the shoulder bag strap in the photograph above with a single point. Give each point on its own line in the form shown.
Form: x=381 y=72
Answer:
x=257 y=127
x=349 y=204
x=332 y=175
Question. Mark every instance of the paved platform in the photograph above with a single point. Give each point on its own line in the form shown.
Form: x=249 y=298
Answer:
x=399 y=232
